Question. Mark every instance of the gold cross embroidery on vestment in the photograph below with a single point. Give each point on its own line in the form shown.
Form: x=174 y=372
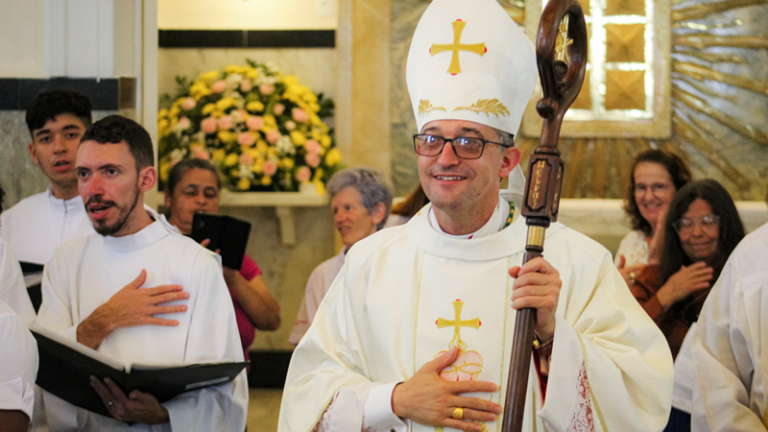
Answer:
x=457 y=324
x=456 y=46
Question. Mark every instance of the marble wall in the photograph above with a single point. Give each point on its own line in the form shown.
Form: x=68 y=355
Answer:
x=286 y=268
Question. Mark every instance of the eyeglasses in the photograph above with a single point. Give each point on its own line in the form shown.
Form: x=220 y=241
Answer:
x=463 y=147
x=655 y=188
x=707 y=222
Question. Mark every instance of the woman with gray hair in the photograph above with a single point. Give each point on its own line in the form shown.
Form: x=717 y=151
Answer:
x=361 y=200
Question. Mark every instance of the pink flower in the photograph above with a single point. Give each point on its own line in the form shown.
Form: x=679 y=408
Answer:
x=313 y=159
x=299 y=115
x=188 y=104
x=266 y=89
x=254 y=123
x=246 y=139
x=273 y=136
x=279 y=108
x=270 y=167
x=209 y=125
x=290 y=125
x=184 y=123
x=226 y=122
x=246 y=159
x=200 y=152
x=246 y=85
x=219 y=86
x=313 y=147
x=303 y=174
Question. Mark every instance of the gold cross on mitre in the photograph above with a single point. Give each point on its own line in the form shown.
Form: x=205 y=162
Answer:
x=457 y=324
x=456 y=46
x=563 y=41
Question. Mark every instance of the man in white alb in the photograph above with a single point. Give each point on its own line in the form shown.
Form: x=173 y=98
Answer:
x=361 y=199
x=727 y=347
x=18 y=357
x=12 y=289
x=177 y=310
x=35 y=226
x=415 y=333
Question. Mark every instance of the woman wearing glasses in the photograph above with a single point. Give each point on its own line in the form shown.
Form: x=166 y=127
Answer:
x=701 y=230
x=656 y=176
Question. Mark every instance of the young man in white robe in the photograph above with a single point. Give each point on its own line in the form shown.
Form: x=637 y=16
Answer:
x=35 y=226
x=12 y=289
x=18 y=357
x=415 y=334
x=731 y=334
x=139 y=292
x=361 y=199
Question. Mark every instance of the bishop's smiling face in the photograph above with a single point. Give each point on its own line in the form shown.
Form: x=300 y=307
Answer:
x=459 y=185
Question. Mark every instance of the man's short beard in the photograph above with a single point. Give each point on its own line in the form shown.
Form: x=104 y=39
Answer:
x=109 y=230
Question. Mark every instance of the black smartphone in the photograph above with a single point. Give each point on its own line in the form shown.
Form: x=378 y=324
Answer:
x=227 y=234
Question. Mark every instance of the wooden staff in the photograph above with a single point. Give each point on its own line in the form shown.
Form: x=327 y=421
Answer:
x=562 y=63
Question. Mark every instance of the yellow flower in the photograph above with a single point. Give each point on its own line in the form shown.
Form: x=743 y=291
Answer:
x=231 y=159
x=333 y=157
x=318 y=174
x=258 y=166
x=227 y=137
x=217 y=114
x=298 y=138
x=174 y=112
x=320 y=187
x=218 y=155
x=314 y=119
x=325 y=140
x=209 y=108
x=272 y=152
x=252 y=73
x=244 y=184
x=234 y=172
x=254 y=106
x=266 y=180
x=225 y=103
x=262 y=146
x=314 y=107
x=287 y=163
x=162 y=113
x=165 y=168
x=269 y=120
x=209 y=76
x=162 y=125
x=199 y=89
x=316 y=135
x=290 y=80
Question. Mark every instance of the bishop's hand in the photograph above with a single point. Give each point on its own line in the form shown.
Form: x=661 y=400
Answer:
x=131 y=306
x=136 y=407
x=430 y=400
x=537 y=285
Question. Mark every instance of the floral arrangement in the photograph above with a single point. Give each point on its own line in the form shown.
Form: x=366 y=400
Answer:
x=262 y=128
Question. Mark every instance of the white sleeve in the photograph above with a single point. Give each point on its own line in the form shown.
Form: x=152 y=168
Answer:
x=18 y=357
x=721 y=356
x=213 y=336
x=378 y=415
x=12 y=288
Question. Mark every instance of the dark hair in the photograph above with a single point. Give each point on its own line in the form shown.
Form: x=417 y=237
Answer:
x=115 y=129
x=181 y=167
x=412 y=203
x=372 y=185
x=47 y=105
x=676 y=168
x=731 y=229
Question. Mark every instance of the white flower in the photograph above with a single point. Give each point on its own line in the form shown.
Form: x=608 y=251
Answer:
x=285 y=146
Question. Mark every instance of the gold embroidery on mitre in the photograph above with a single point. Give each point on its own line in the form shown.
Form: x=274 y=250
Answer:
x=425 y=107
x=487 y=107
x=458 y=28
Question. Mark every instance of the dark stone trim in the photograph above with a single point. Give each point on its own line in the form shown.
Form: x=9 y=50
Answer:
x=107 y=94
x=268 y=368
x=247 y=38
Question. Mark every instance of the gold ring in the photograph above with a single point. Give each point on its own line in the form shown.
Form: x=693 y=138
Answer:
x=458 y=413
x=632 y=275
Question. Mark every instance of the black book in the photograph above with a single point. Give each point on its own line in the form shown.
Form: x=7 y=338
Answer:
x=228 y=235
x=33 y=276
x=66 y=367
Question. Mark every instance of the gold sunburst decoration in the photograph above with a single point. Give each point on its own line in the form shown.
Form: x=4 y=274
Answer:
x=716 y=103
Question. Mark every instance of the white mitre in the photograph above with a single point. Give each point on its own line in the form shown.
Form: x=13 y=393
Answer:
x=470 y=61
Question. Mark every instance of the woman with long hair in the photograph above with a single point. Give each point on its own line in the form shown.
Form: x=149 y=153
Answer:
x=701 y=229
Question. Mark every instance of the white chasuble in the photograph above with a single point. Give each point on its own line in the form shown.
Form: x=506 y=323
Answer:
x=408 y=293
x=85 y=273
